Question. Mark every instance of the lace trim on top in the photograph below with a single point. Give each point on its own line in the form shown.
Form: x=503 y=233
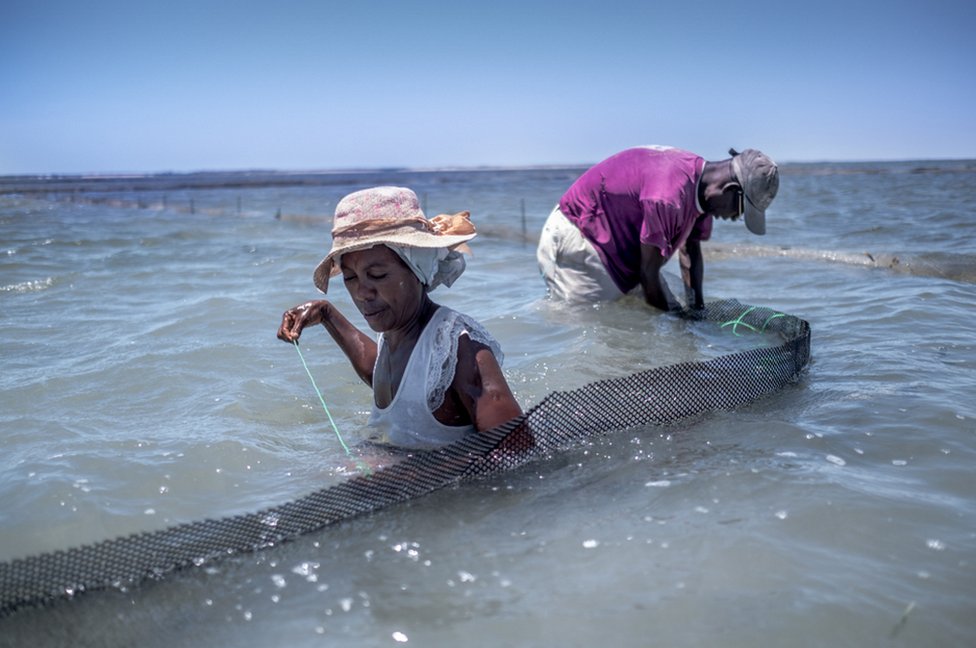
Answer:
x=443 y=360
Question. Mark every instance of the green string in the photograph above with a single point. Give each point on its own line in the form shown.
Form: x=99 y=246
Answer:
x=359 y=463
x=771 y=318
x=738 y=322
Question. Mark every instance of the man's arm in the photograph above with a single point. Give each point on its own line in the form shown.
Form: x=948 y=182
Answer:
x=692 y=272
x=656 y=291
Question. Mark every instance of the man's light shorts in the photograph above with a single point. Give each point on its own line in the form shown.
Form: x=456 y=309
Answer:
x=571 y=265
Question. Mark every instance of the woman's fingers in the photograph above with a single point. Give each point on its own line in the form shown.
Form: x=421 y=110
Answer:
x=287 y=331
x=294 y=320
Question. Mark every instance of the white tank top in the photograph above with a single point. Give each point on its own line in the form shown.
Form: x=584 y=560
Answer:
x=408 y=421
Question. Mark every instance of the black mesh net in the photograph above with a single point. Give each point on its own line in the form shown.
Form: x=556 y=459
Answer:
x=653 y=397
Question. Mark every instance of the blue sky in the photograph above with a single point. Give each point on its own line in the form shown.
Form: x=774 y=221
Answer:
x=112 y=87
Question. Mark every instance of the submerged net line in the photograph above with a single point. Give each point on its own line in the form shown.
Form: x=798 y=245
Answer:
x=655 y=396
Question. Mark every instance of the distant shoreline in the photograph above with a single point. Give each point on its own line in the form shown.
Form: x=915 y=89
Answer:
x=175 y=181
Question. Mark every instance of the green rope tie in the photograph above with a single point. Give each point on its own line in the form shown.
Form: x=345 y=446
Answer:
x=359 y=462
x=737 y=322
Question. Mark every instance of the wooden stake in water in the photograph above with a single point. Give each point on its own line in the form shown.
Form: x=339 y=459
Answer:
x=525 y=236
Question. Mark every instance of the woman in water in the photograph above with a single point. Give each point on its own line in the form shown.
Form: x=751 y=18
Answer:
x=436 y=373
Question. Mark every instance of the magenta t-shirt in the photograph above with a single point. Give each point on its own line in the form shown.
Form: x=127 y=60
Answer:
x=641 y=195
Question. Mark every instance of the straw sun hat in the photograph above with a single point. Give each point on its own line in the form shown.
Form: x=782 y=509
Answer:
x=388 y=215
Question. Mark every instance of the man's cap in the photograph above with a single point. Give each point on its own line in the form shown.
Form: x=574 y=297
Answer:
x=759 y=178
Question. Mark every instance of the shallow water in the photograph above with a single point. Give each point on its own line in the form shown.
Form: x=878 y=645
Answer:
x=143 y=387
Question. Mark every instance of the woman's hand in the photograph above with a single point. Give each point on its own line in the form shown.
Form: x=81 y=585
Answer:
x=295 y=320
x=358 y=347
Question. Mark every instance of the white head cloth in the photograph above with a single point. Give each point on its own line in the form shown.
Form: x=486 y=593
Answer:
x=433 y=266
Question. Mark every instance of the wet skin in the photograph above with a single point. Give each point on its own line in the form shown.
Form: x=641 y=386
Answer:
x=394 y=302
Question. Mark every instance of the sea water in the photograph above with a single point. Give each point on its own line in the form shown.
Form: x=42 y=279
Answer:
x=142 y=386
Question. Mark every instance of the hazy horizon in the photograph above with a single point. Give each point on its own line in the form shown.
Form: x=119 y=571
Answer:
x=459 y=168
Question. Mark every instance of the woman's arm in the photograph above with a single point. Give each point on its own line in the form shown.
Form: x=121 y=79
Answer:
x=481 y=386
x=358 y=347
